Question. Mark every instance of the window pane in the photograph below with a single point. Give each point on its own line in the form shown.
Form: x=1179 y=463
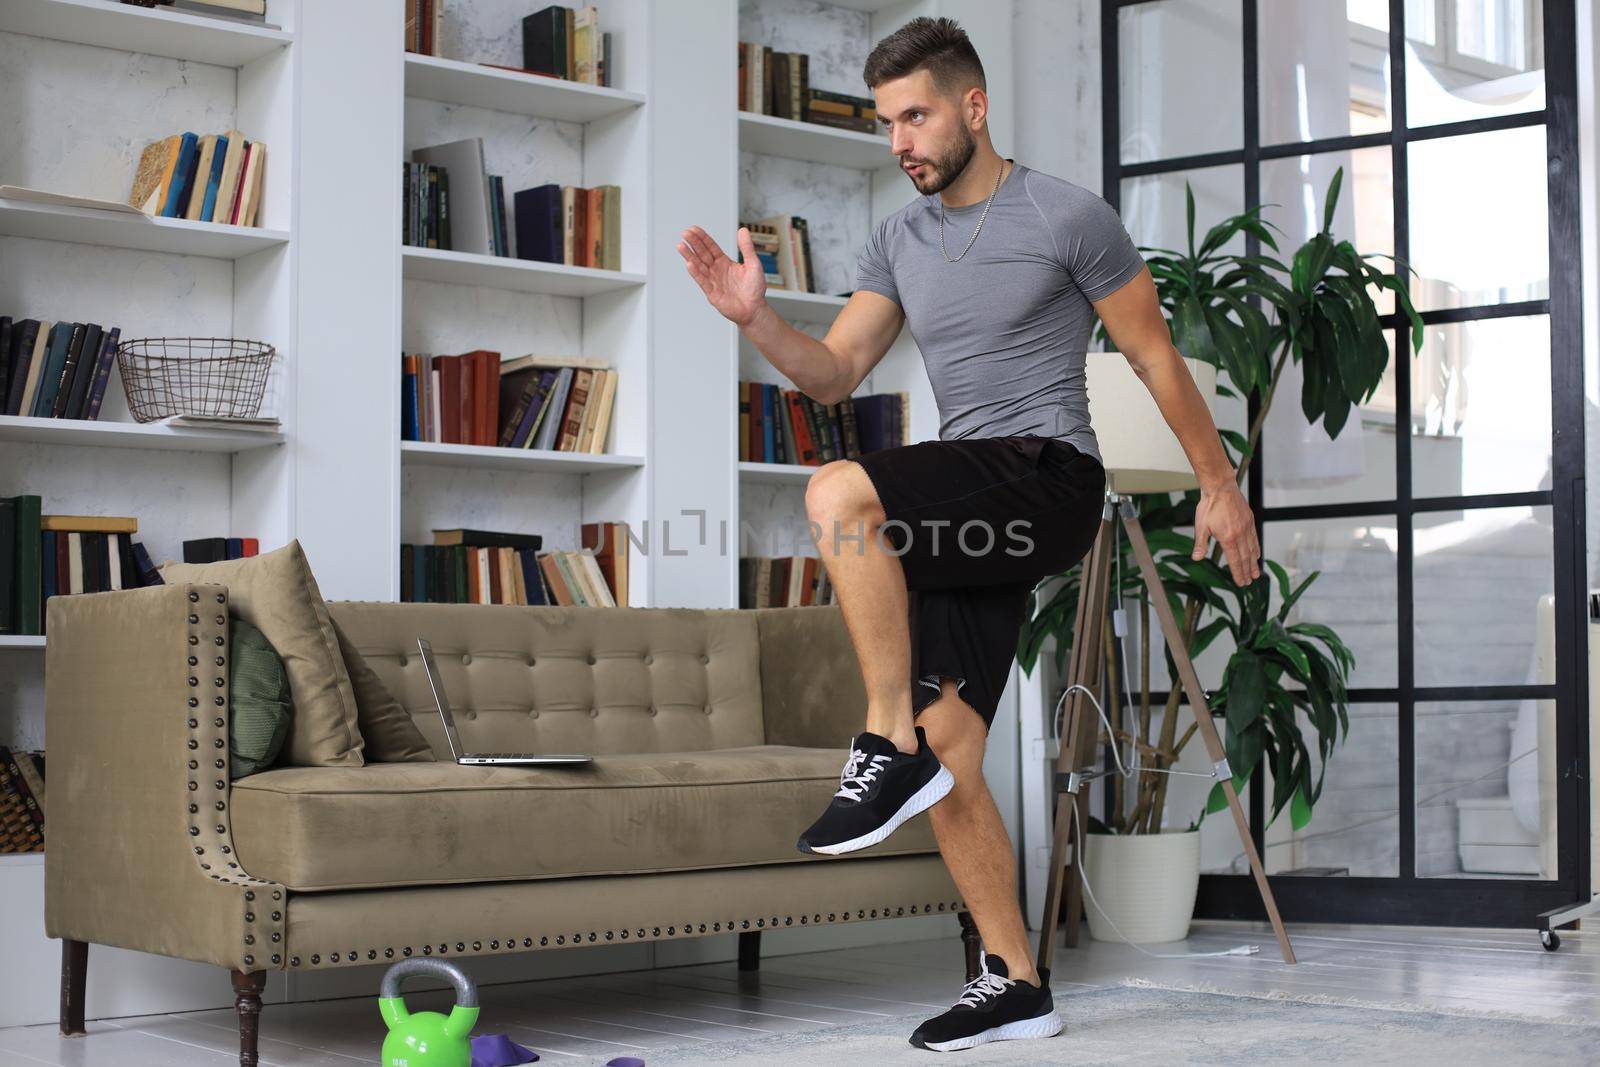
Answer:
x=1180 y=66
x=1155 y=212
x=1317 y=66
x=1488 y=60
x=1496 y=31
x=1486 y=783
x=1479 y=574
x=1355 y=593
x=1301 y=464
x=1354 y=829
x=1481 y=408
x=1496 y=180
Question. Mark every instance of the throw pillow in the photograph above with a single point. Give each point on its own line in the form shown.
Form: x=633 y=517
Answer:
x=387 y=729
x=276 y=593
x=259 y=703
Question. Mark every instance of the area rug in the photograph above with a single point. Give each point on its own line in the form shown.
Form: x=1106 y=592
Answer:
x=1143 y=1024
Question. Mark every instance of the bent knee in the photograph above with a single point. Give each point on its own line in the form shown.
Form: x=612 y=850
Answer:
x=841 y=489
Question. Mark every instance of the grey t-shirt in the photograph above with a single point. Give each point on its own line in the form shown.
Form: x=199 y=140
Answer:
x=1004 y=330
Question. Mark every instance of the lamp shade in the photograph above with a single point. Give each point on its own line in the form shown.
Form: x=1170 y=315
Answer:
x=1141 y=453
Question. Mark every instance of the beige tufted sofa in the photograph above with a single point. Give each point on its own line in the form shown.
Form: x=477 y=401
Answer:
x=719 y=736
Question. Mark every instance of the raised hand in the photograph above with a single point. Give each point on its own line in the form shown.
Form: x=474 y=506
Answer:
x=736 y=289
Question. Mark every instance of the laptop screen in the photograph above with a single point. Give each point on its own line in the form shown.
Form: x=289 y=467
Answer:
x=440 y=698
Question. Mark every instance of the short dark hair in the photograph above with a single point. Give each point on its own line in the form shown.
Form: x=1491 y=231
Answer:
x=938 y=44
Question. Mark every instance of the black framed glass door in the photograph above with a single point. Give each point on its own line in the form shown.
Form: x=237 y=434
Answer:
x=1446 y=520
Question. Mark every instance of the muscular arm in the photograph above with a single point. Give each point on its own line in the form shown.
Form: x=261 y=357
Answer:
x=1133 y=318
x=827 y=370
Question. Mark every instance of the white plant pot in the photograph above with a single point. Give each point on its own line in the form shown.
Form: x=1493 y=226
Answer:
x=1145 y=882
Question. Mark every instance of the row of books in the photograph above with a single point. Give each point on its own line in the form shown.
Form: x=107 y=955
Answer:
x=55 y=370
x=783 y=245
x=784 y=582
x=567 y=43
x=495 y=567
x=22 y=801
x=42 y=556
x=557 y=41
x=779 y=84
x=780 y=425
x=452 y=203
x=556 y=403
x=212 y=177
x=218 y=549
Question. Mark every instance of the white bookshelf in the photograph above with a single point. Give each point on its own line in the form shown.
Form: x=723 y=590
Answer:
x=819 y=308
x=811 y=142
x=842 y=181
x=120 y=434
x=785 y=474
x=157 y=72
x=535 y=130
x=451 y=81
x=515 y=275
x=25 y=641
x=526 y=460
x=141 y=233
x=149 y=31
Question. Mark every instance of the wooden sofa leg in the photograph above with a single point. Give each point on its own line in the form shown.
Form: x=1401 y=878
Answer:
x=750 y=950
x=969 y=942
x=74 y=975
x=247 y=987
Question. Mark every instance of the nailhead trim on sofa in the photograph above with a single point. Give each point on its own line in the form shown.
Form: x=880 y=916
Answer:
x=689 y=929
x=264 y=905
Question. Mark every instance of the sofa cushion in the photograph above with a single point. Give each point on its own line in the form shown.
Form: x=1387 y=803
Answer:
x=407 y=824
x=259 y=704
x=276 y=593
x=544 y=678
x=388 y=733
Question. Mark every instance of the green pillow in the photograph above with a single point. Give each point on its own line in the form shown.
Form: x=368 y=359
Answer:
x=261 y=704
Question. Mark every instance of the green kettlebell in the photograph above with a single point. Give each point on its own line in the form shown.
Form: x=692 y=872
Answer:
x=426 y=1038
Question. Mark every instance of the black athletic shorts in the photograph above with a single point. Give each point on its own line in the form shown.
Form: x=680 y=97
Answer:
x=976 y=523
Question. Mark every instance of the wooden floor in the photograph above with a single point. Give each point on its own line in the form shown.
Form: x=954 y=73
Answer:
x=591 y=1020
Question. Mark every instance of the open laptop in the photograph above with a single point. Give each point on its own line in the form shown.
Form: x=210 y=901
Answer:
x=527 y=759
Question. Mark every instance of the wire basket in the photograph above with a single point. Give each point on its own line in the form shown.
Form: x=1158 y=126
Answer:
x=216 y=376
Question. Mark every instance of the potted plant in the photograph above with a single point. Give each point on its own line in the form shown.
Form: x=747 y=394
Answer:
x=1282 y=692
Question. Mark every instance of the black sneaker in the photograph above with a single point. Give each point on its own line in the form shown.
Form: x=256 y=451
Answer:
x=993 y=1007
x=881 y=787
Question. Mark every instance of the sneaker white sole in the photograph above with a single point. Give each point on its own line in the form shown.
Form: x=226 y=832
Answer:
x=920 y=801
x=1044 y=1026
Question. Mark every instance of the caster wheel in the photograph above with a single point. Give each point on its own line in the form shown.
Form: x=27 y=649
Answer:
x=1550 y=940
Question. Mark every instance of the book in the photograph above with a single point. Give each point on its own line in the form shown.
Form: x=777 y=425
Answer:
x=539 y=225
x=197 y=195
x=228 y=179
x=30 y=766
x=99 y=523
x=263 y=423
x=45 y=196
x=107 y=360
x=469 y=228
x=182 y=173
x=219 y=159
x=153 y=176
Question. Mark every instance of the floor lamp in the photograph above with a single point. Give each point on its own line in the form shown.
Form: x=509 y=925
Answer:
x=1141 y=455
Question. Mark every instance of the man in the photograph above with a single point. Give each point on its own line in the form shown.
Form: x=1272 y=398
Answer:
x=999 y=271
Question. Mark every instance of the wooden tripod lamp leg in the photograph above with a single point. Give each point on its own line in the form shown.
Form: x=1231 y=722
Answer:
x=1077 y=738
x=1202 y=713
